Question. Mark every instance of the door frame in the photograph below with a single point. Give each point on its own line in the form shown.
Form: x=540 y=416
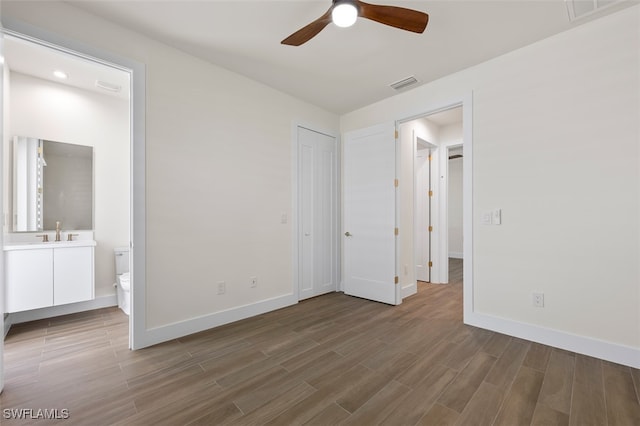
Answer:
x=465 y=101
x=2 y=138
x=295 y=204
x=138 y=333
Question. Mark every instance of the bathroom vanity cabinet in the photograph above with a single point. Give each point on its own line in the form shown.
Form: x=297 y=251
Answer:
x=48 y=274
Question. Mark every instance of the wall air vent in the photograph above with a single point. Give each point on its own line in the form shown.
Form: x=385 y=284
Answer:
x=404 y=83
x=581 y=8
x=108 y=86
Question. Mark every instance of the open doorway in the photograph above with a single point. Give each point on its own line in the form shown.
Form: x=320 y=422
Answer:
x=70 y=101
x=426 y=144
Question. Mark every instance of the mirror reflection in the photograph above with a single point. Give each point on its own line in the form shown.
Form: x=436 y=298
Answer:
x=52 y=181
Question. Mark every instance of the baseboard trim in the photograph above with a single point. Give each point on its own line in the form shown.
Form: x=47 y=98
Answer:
x=409 y=289
x=619 y=354
x=168 y=332
x=56 y=311
x=7 y=325
x=456 y=255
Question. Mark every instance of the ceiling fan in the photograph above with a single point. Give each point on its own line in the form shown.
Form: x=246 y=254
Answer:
x=344 y=13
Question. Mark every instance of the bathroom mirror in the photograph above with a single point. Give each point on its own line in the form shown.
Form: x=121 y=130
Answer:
x=52 y=181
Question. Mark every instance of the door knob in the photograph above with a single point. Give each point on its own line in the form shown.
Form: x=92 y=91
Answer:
x=347 y=234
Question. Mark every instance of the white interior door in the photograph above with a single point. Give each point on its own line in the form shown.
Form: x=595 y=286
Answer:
x=318 y=214
x=370 y=214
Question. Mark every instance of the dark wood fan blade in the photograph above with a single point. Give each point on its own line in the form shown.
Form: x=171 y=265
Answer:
x=306 y=33
x=399 y=17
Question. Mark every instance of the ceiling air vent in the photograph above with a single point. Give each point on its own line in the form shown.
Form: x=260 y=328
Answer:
x=404 y=83
x=108 y=86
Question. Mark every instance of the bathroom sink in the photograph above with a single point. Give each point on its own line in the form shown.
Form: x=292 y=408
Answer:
x=30 y=245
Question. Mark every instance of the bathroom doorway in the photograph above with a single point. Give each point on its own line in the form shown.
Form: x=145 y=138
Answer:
x=116 y=169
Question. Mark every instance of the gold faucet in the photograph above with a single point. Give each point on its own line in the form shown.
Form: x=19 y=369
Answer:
x=58 y=231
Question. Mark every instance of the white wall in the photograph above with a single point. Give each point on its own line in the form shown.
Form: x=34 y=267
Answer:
x=218 y=173
x=47 y=110
x=454 y=222
x=452 y=135
x=555 y=137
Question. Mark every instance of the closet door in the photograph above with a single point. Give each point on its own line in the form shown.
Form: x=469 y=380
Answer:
x=317 y=213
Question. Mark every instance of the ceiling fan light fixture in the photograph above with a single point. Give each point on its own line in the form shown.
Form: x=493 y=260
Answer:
x=344 y=14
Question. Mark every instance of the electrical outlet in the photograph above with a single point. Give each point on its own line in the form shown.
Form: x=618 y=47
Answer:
x=538 y=300
x=222 y=287
x=253 y=281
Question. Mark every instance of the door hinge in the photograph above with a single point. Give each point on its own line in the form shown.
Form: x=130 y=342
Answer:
x=396 y=134
x=396 y=280
x=430 y=228
x=395 y=183
x=39 y=150
x=430 y=264
x=396 y=231
x=430 y=193
x=429 y=157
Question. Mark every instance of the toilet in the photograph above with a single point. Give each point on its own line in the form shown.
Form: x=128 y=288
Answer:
x=122 y=278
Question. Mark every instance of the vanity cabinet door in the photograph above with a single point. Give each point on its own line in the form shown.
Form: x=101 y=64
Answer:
x=29 y=280
x=72 y=274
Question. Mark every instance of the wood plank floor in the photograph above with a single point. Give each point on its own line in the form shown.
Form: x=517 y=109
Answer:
x=330 y=360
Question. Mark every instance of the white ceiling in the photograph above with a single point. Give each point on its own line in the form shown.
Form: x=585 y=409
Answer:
x=33 y=59
x=446 y=117
x=340 y=69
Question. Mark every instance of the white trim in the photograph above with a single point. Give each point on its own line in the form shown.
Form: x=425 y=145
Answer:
x=409 y=289
x=396 y=240
x=4 y=323
x=7 y=327
x=183 y=328
x=56 y=311
x=137 y=319
x=456 y=255
x=467 y=206
x=620 y=354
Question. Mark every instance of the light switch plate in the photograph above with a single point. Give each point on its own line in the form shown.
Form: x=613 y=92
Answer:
x=497 y=217
x=486 y=218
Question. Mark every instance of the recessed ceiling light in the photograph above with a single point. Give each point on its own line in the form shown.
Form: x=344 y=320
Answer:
x=60 y=74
